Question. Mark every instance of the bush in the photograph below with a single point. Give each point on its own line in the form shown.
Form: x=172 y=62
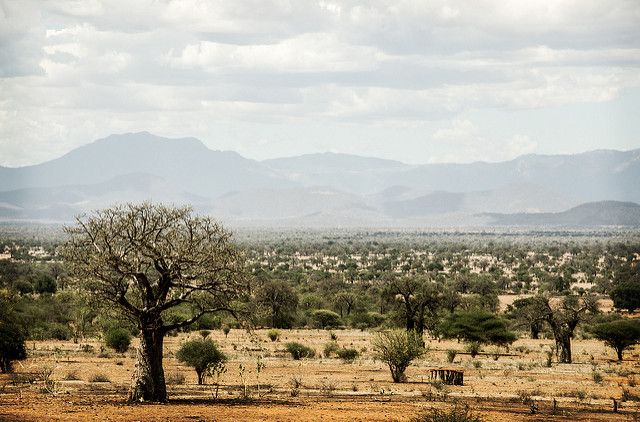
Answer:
x=299 y=351
x=473 y=347
x=451 y=355
x=59 y=332
x=45 y=284
x=98 y=377
x=397 y=348
x=208 y=322
x=118 y=339
x=200 y=354
x=348 y=355
x=457 y=414
x=175 y=378
x=12 y=345
x=273 y=334
x=329 y=348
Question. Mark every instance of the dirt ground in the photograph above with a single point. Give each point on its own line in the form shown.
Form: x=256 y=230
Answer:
x=64 y=381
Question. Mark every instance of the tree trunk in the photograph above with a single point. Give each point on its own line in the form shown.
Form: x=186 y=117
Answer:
x=535 y=330
x=148 y=382
x=563 y=346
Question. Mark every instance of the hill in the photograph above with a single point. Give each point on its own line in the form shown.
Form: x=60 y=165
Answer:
x=323 y=189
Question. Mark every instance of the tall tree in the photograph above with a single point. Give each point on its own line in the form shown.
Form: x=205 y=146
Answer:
x=418 y=299
x=280 y=298
x=563 y=316
x=145 y=260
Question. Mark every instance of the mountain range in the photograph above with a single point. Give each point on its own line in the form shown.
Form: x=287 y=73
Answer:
x=598 y=188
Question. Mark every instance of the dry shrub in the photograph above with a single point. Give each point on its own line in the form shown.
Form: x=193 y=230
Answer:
x=98 y=377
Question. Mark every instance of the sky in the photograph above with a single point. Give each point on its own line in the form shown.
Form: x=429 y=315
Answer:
x=422 y=81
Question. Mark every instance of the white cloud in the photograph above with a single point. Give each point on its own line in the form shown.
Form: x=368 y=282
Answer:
x=469 y=143
x=315 y=52
x=398 y=64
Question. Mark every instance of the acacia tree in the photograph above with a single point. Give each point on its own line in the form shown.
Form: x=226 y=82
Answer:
x=145 y=260
x=619 y=335
x=480 y=327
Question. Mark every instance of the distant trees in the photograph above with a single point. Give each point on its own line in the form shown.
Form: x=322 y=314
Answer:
x=418 y=300
x=146 y=261
x=281 y=300
x=626 y=295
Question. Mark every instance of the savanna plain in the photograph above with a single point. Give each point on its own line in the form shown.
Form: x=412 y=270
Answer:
x=70 y=374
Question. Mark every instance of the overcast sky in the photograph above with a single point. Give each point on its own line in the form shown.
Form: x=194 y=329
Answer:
x=417 y=81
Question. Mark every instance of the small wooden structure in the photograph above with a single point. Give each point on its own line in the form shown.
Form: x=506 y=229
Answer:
x=448 y=376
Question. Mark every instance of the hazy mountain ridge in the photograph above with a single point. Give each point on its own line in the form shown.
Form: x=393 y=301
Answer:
x=602 y=213
x=322 y=189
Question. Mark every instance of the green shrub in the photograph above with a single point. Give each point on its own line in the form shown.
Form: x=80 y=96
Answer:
x=208 y=322
x=397 y=348
x=348 y=355
x=273 y=334
x=330 y=348
x=451 y=355
x=299 y=351
x=473 y=347
x=58 y=332
x=118 y=339
x=205 y=333
x=200 y=354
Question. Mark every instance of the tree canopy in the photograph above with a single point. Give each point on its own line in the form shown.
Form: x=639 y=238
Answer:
x=619 y=334
x=144 y=260
x=200 y=353
x=626 y=295
x=480 y=327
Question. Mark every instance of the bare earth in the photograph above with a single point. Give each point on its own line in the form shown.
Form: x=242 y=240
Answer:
x=92 y=385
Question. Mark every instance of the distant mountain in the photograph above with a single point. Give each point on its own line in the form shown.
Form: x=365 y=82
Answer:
x=320 y=189
x=603 y=213
x=515 y=197
x=350 y=173
x=187 y=163
x=63 y=203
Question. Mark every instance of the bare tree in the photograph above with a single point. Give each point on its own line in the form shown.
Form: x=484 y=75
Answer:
x=563 y=316
x=143 y=261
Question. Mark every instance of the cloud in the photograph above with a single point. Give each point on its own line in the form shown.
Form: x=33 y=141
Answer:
x=314 y=53
x=403 y=64
x=469 y=143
